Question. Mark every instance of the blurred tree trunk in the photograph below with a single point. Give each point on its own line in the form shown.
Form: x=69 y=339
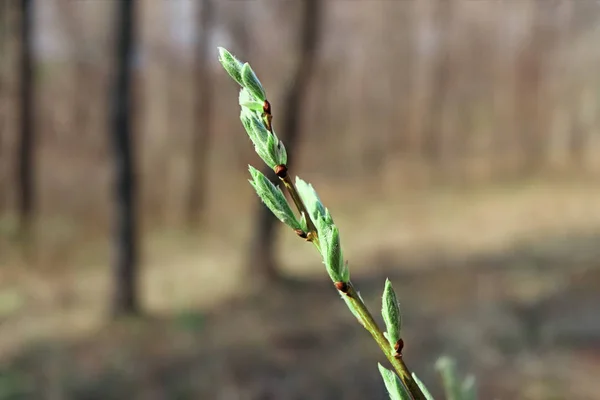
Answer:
x=262 y=256
x=504 y=95
x=203 y=116
x=81 y=68
x=576 y=137
x=125 y=300
x=26 y=165
x=419 y=81
x=434 y=118
x=530 y=83
x=560 y=118
x=4 y=61
x=175 y=197
x=398 y=29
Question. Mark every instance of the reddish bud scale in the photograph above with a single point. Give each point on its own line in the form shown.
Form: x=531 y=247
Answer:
x=398 y=348
x=267 y=107
x=342 y=287
x=280 y=171
x=301 y=233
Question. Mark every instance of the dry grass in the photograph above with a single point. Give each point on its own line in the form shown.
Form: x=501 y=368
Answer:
x=486 y=274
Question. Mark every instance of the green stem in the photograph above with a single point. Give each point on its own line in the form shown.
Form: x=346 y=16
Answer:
x=371 y=326
x=366 y=317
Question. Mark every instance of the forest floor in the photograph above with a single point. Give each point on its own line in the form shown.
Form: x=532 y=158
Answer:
x=503 y=279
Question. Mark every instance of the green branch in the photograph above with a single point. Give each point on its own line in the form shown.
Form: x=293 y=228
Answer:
x=317 y=226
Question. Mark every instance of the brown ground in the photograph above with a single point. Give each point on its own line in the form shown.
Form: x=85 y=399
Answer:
x=504 y=280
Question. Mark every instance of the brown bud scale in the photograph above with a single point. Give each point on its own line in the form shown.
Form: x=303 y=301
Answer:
x=267 y=107
x=280 y=171
x=301 y=233
x=399 y=346
x=342 y=287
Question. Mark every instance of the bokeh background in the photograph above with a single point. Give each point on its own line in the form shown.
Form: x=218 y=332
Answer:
x=455 y=142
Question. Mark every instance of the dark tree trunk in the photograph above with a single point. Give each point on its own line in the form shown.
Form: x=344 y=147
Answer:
x=26 y=167
x=4 y=35
x=202 y=124
x=125 y=301
x=262 y=257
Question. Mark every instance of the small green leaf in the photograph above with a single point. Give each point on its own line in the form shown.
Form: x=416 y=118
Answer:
x=332 y=256
x=251 y=82
x=311 y=199
x=260 y=136
x=423 y=388
x=328 y=217
x=259 y=127
x=246 y=118
x=303 y=223
x=279 y=152
x=231 y=64
x=273 y=198
x=346 y=277
x=447 y=368
x=276 y=151
x=394 y=386
x=390 y=311
x=323 y=227
x=246 y=100
x=270 y=149
x=469 y=389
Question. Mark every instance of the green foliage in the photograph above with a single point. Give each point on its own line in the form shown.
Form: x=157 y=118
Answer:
x=246 y=100
x=190 y=321
x=391 y=314
x=331 y=249
x=266 y=144
x=273 y=198
x=394 y=386
x=424 y=389
x=251 y=82
x=14 y=385
x=231 y=64
x=469 y=390
x=317 y=226
x=311 y=199
x=454 y=388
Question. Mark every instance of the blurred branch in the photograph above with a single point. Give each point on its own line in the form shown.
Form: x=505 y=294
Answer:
x=434 y=149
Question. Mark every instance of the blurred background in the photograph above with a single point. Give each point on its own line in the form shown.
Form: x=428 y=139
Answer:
x=456 y=143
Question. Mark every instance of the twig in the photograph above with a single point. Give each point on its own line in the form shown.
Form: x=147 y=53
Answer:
x=370 y=325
